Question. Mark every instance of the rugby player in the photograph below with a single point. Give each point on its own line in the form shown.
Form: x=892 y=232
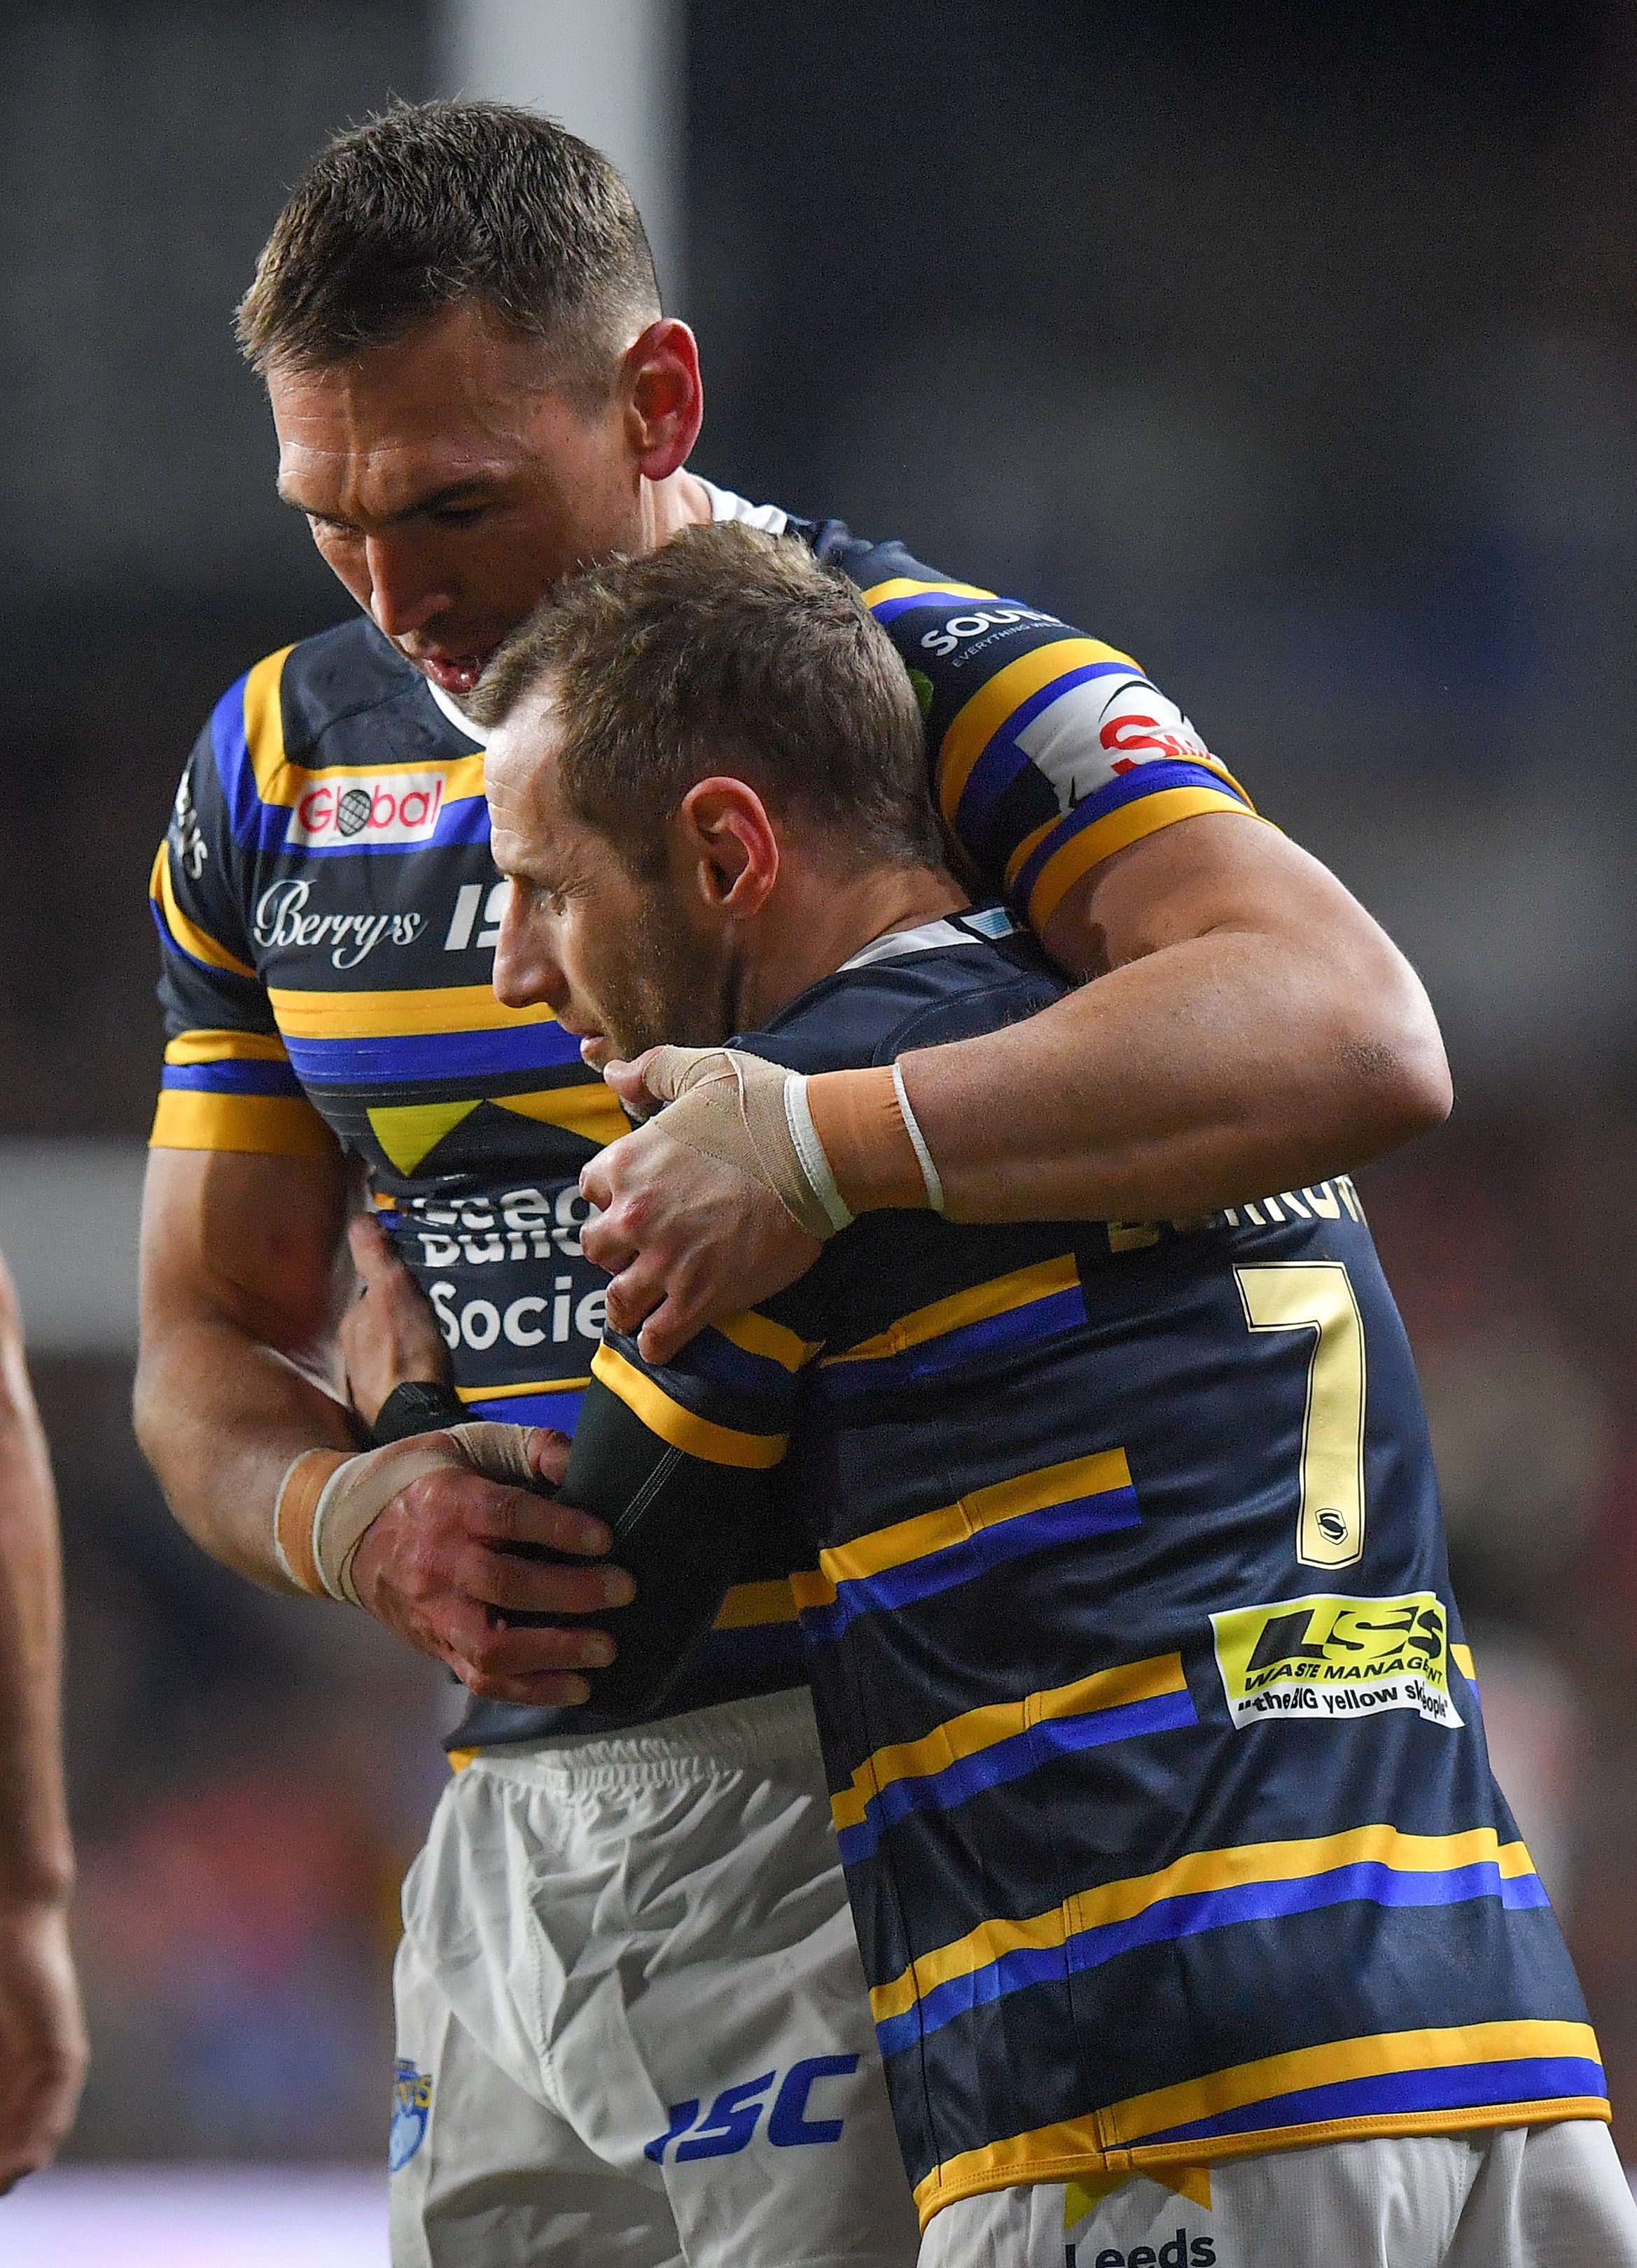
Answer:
x=42 y=2031
x=475 y=390
x=1196 y=1927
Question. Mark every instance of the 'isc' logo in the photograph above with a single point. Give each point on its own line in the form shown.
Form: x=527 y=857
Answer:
x=732 y=2119
x=338 y=815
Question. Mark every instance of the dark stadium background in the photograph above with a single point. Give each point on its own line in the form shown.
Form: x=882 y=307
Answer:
x=1293 y=348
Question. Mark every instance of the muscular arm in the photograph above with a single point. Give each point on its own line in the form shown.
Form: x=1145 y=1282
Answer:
x=1249 y=1027
x=238 y=1373
x=42 y=2040
x=242 y=1265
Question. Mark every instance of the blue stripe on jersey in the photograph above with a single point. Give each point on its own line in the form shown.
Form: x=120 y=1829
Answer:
x=1142 y=779
x=713 y=1356
x=1002 y=759
x=889 y=609
x=1448 y=2086
x=232 y=1078
x=1167 y=1919
x=1008 y=1760
x=975 y=1554
x=433 y=1054
x=559 y=1409
x=1018 y=1327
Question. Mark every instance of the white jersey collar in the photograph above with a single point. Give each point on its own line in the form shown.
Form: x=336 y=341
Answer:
x=989 y=922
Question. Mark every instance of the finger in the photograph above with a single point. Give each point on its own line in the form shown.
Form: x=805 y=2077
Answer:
x=509 y=1516
x=547 y=1452
x=532 y=1586
x=373 y=1253
x=669 y=1328
x=606 y=1243
x=517 y=1663
x=595 y=1185
x=635 y=1292
x=630 y=1083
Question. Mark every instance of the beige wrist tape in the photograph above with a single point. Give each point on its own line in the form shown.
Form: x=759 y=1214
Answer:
x=328 y=1501
x=829 y=1147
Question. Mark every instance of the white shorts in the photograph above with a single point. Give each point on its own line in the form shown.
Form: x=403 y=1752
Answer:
x=1522 y=2196
x=632 y=2024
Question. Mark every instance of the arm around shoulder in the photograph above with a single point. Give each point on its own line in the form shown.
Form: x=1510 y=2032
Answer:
x=1245 y=1025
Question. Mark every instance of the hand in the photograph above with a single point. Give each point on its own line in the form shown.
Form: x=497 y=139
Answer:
x=389 y=1334
x=42 y=2038
x=446 y=1567
x=686 y=1238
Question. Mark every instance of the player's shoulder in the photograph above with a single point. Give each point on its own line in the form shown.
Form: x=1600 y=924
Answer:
x=944 y=980
x=342 y=699
x=351 y=680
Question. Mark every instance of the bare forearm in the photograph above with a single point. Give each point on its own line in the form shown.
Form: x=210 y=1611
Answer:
x=220 y=1417
x=1216 y=1069
x=36 y=1857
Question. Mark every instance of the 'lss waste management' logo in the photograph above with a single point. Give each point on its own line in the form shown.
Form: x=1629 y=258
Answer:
x=1330 y=1658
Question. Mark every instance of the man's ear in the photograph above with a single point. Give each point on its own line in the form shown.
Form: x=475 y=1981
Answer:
x=727 y=839
x=665 y=401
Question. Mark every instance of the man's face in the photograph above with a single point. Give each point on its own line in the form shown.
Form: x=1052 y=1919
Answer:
x=626 y=961
x=449 y=486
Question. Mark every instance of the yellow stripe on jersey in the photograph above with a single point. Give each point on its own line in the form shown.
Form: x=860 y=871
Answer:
x=1462 y=1657
x=1130 y=824
x=1201 y=1871
x=279 y=781
x=752 y=1606
x=906 y=586
x=531 y=1385
x=975 y=1729
x=756 y=1335
x=196 y=943
x=1100 y=2140
x=386 y=1015
x=695 y=1436
x=273 y=1125
x=976 y=1306
x=587 y=1108
x=202 y=1047
x=953 y=1523
x=974 y=727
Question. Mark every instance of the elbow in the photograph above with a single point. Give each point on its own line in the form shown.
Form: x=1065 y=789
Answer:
x=1398 y=1069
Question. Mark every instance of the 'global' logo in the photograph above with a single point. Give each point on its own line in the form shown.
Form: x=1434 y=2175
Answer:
x=339 y=815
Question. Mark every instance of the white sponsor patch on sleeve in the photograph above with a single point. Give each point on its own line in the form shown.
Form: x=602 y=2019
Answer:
x=1104 y=728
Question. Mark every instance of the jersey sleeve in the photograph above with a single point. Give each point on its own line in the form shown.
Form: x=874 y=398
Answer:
x=227 y=1082
x=679 y=1458
x=1050 y=750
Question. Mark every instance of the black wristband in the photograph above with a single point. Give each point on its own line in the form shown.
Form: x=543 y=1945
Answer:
x=420 y=1405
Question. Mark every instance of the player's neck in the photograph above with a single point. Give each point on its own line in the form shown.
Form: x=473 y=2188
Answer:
x=671 y=505
x=817 y=920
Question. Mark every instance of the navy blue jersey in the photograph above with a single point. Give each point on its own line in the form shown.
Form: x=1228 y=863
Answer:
x=1154 y=1751
x=329 y=908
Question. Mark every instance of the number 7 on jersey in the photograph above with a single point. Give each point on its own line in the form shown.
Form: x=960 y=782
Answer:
x=1316 y=1296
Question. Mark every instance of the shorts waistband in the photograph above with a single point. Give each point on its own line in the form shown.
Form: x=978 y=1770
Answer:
x=769 y=1729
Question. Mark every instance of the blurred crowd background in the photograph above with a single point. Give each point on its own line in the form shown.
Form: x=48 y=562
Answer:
x=1291 y=347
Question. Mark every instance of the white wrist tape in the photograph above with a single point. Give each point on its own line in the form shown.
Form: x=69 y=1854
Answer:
x=912 y=1127
x=328 y=1502
x=810 y=1152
